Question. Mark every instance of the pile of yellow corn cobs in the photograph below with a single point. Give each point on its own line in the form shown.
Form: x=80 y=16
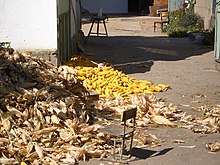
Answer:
x=111 y=83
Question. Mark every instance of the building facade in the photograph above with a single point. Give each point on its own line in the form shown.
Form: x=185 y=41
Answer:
x=206 y=9
x=51 y=26
x=29 y=25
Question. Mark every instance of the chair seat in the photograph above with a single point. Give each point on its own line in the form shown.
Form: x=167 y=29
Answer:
x=99 y=18
x=116 y=130
x=160 y=22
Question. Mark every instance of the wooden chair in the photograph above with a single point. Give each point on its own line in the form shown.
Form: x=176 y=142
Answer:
x=164 y=19
x=98 y=19
x=122 y=132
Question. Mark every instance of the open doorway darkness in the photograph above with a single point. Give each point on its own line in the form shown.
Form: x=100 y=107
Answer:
x=133 y=6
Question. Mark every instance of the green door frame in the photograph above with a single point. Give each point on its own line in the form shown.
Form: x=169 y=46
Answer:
x=63 y=31
x=217 y=33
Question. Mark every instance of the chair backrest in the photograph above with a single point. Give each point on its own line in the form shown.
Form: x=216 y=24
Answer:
x=164 y=16
x=129 y=114
x=99 y=13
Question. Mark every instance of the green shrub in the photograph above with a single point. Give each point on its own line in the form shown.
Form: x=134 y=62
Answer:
x=183 y=21
x=177 y=33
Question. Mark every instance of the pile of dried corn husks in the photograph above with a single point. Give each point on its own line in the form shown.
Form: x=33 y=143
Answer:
x=44 y=116
x=43 y=113
x=111 y=83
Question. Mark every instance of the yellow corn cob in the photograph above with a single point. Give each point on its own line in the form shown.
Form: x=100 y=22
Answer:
x=107 y=68
x=23 y=163
x=88 y=81
x=163 y=87
x=149 y=92
x=94 y=84
x=103 y=84
x=143 y=81
x=81 y=73
x=127 y=93
x=156 y=88
x=81 y=78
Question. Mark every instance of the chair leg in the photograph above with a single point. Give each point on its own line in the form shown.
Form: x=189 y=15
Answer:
x=154 y=26
x=164 y=25
x=161 y=27
x=98 y=28
x=131 y=144
x=105 y=28
x=122 y=147
x=114 y=147
x=90 y=30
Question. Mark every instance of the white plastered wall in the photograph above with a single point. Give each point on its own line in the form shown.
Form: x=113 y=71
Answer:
x=29 y=24
x=204 y=9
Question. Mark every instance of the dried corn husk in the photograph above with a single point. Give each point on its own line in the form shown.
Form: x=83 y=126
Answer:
x=142 y=138
x=178 y=141
x=161 y=120
x=213 y=147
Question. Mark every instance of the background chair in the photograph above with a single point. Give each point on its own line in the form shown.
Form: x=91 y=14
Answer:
x=98 y=18
x=122 y=132
x=164 y=19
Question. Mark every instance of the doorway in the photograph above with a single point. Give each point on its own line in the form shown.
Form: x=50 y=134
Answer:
x=133 y=6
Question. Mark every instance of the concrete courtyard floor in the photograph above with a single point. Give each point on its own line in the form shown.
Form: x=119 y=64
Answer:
x=188 y=67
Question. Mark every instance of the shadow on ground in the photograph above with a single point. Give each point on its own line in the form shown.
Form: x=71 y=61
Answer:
x=86 y=17
x=140 y=153
x=137 y=54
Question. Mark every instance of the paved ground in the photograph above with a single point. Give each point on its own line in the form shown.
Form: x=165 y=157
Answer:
x=189 y=68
